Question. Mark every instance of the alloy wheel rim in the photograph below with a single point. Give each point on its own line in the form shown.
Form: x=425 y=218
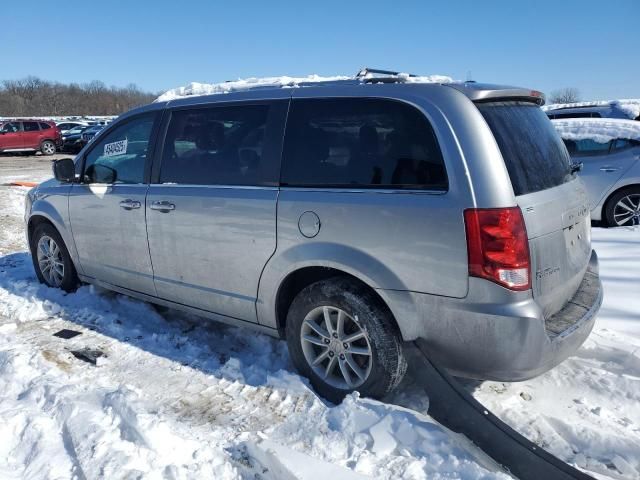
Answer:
x=50 y=261
x=48 y=148
x=336 y=347
x=627 y=210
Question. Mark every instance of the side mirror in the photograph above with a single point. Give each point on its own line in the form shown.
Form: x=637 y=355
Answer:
x=64 y=170
x=576 y=167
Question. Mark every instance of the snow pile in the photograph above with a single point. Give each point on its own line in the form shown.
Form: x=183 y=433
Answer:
x=177 y=397
x=601 y=130
x=630 y=106
x=407 y=78
x=194 y=88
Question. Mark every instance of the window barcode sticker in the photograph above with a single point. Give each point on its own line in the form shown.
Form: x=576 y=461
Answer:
x=115 y=148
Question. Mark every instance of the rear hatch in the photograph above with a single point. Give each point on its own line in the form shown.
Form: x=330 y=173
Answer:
x=553 y=201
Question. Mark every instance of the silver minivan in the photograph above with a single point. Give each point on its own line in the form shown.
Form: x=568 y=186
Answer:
x=348 y=217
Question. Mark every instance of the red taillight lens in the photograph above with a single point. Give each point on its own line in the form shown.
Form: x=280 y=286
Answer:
x=498 y=246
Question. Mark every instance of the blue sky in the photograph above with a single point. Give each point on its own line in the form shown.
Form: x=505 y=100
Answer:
x=591 y=45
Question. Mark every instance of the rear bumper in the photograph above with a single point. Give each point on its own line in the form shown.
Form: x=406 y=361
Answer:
x=509 y=341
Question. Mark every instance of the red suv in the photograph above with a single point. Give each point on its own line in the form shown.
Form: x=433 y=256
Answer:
x=27 y=135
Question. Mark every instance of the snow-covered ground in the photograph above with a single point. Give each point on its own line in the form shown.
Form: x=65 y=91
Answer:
x=175 y=397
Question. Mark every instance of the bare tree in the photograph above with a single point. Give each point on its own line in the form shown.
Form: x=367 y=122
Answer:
x=565 y=95
x=32 y=96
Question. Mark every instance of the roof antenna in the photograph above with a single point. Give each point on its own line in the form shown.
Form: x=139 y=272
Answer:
x=469 y=79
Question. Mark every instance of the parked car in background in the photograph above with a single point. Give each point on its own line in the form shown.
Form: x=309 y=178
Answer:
x=88 y=134
x=72 y=140
x=29 y=135
x=628 y=109
x=66 y=126
x=346 y=217
x=609 y=150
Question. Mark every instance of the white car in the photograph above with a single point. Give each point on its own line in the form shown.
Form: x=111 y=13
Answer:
x=628 y=108
x=609 y=150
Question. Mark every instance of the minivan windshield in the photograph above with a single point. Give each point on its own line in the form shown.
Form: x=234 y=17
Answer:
x=533 y=152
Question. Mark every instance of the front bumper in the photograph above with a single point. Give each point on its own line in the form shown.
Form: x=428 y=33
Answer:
x=510 y=341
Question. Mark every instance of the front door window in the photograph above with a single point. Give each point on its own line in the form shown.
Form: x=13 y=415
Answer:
x=119 y=157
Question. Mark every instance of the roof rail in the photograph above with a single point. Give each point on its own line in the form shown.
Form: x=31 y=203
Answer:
x=376 y=71
x=376 y=75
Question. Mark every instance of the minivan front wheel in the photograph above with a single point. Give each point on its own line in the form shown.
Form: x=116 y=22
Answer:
x=342 y=338
x=51 y=259
x=48 y=147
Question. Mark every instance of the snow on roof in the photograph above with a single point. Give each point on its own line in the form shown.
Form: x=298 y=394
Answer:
x=630 y=106
x=601 y=130
x=195 y=88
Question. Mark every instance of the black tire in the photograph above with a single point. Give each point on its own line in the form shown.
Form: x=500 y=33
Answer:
x=48 y=147
x=70 y=278
x=609 y=210
x=388 y=364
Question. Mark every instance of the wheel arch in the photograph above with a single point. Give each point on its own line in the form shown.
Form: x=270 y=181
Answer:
x=53 y=218
x=36 y=220
x=302 y=277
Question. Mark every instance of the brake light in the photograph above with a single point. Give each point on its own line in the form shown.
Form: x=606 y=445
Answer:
x=498 y=247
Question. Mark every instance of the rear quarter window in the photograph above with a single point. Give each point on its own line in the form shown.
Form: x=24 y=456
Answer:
x=30 y=126
x=361 y=143
x=533 y=152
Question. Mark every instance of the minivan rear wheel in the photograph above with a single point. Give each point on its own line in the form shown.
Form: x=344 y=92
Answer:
x=623 y=208
x=343 y=339
x=48 y=147
x=51 y=259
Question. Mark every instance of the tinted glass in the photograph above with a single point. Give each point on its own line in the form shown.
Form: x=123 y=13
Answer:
x=533 y=152
x=30 y=126
x=586 y=146
x=575 y=115
x=361 y=143
x=215 y=146
x=623 y=144
x=11 y=127
x=44 y=126
x=120 y=156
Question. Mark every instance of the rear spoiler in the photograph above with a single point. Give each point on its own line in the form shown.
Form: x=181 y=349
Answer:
x=482 y=92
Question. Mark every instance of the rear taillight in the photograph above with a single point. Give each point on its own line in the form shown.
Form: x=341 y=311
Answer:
x=498 y=246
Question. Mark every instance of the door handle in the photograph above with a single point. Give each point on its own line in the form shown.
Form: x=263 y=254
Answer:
x=129 y=204
x=163 y=206
x=609 y=169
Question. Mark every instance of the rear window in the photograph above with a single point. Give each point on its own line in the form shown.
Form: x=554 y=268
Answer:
x=44 y=126
x=533 y=152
